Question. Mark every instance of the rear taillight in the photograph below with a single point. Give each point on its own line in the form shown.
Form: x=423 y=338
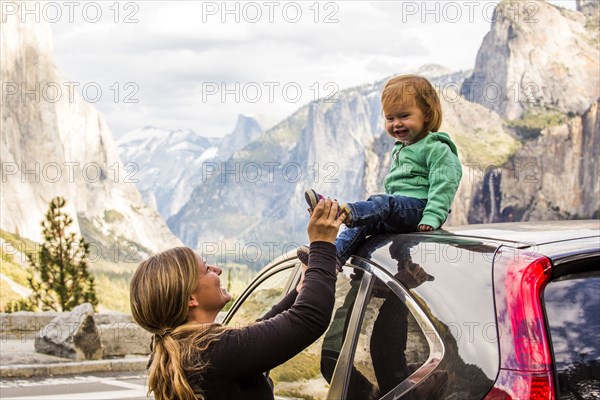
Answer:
x=525 y=358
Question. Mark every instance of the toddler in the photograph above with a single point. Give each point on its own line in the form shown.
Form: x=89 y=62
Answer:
x=424 y=174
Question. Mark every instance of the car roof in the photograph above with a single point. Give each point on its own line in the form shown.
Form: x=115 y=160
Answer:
x=525 y=234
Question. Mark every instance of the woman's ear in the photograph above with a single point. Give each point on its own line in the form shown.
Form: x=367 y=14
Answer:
x=193 y=302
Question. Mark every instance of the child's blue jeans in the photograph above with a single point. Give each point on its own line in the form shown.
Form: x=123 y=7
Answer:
x=381 y=213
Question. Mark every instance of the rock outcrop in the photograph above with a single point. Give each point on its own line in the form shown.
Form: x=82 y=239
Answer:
x=247 y=129
x=537 y=57
x=56 y=144
x=554 y=176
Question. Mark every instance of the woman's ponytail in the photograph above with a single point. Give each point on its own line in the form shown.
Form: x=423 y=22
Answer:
x=166 y=375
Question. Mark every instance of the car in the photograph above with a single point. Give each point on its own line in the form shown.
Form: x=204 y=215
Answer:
x=491 y=311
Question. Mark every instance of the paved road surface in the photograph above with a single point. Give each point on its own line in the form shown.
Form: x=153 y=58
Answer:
x=84 y=387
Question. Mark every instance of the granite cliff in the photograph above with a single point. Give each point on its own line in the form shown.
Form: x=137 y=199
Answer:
x=56 y=144
x=554 y=174
x=537 y=58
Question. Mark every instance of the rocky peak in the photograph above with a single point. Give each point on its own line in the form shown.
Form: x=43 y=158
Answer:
x=246 y=130
x=535 y=58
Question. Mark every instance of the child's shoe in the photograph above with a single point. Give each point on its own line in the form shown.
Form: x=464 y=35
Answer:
x=312 y=198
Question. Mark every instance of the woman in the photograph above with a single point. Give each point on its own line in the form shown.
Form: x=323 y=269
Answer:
x=176 y=296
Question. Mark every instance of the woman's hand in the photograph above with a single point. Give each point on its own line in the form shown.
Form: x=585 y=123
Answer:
x=323 y=225
x=424 y=228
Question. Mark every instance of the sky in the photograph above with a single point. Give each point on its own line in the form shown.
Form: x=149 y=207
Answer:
x=199 y=64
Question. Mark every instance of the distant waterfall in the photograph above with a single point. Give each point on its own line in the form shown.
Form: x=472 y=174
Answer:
x=492 y=183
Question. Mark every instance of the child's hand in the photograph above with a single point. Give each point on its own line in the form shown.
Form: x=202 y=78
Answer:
x=423 y=228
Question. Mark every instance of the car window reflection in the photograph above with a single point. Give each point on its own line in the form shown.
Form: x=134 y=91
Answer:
x=308 y=375
x=573 y=308
x=429 y=264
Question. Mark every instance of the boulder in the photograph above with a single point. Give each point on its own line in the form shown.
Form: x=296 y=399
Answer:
x=71 y=335
x=124 y=338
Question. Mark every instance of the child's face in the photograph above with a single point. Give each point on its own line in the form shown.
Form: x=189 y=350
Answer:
x=405 y=123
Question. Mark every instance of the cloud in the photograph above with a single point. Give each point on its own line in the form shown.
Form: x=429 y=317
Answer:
x=176 y=47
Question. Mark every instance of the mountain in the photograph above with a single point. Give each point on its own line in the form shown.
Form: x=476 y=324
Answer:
x=55 y=144
x=165 y=160
x=522 y=160
x=341 y=150
x=172 y=163
x=554 y=174
x=544 y=61
x=246 y=130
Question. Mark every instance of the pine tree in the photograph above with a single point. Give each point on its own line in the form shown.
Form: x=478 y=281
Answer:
x=61 y=280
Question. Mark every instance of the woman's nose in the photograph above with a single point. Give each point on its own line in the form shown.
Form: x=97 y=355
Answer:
x=216 y=270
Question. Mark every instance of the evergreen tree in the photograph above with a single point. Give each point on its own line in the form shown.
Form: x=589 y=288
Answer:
x=61 y=280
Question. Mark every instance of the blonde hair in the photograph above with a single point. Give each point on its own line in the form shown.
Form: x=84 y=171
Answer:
x=414 y=90
x=159 y=293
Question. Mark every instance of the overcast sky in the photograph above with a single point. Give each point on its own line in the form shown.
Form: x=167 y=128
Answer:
x=197 y=65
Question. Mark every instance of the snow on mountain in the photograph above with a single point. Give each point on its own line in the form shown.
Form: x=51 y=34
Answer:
x=164 y=160
x=170 y=163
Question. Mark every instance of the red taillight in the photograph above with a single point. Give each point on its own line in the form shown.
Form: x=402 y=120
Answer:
x=517 y=385
x=525 y=359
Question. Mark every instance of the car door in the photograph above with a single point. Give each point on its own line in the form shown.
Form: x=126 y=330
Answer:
x=373 y=344
x=390 y=349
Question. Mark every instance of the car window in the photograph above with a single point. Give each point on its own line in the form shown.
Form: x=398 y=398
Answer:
x=390 y=346
x=308 y=375
x=266 y=293
x=572 y=304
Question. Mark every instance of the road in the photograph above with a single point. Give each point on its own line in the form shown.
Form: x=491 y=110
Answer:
x=124 y=385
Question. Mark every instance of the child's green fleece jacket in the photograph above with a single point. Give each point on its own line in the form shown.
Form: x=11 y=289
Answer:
x=428 y=169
